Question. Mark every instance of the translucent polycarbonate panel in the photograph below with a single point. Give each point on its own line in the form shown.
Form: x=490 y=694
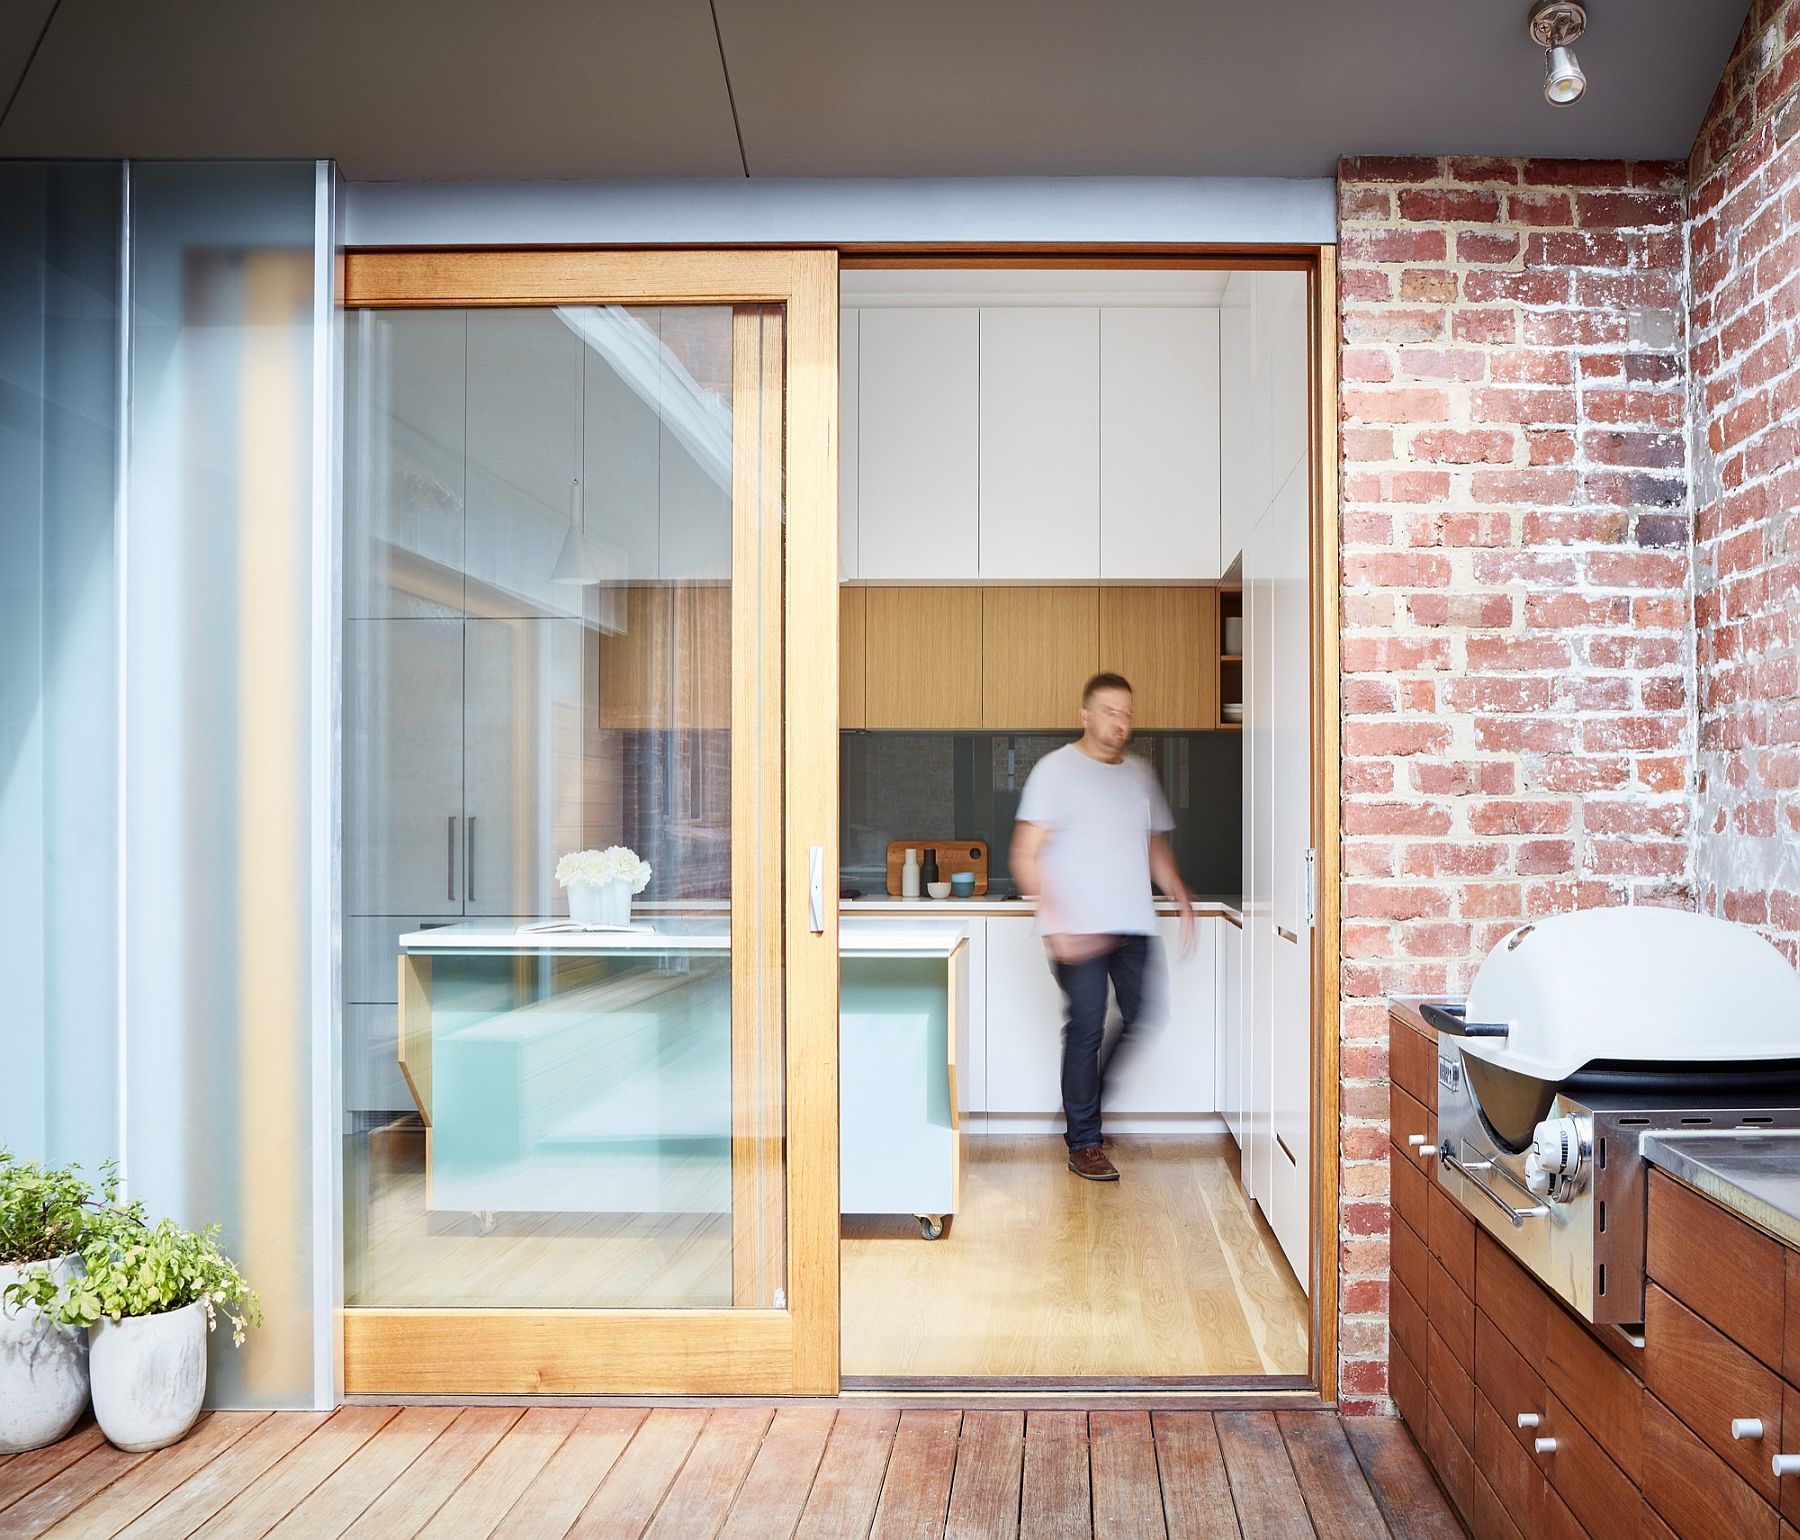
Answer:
x=221 y=848
x=539 y=660
x=59 y=390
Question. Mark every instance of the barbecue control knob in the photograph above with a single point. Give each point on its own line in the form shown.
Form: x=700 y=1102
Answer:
x=1557 y=1155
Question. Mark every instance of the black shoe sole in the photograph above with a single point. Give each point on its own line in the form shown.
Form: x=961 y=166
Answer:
x=1086 y=1178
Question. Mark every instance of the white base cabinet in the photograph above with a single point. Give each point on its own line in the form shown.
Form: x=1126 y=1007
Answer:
x=1172 y=1070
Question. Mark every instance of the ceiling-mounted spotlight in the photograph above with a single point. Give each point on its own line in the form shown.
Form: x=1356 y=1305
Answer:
x=1554 y=25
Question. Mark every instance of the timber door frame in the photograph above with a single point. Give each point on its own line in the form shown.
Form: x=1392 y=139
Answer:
x=792 y=1349
x=1319 y=264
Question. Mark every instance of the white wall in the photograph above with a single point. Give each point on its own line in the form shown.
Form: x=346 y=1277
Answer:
x=1178 y=210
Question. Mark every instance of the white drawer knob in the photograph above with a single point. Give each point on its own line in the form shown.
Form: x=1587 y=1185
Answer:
x=1746 y=1427
x=1528 y=1419
x=1786 y=1465
x=1415 y=1138
x=1544 y=1445
x=1426 y=1151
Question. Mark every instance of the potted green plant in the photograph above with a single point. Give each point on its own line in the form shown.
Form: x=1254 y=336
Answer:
x=45 y=1215
x=148 y=1295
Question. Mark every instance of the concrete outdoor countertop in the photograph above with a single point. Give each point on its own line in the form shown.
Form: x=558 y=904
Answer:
x=1754 y=1173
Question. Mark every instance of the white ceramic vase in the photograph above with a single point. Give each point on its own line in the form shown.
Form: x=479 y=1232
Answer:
x=149 y=1376
x=43 y=1369
x=600 y=903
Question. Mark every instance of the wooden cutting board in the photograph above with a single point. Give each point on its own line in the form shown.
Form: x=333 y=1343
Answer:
x=952 y=856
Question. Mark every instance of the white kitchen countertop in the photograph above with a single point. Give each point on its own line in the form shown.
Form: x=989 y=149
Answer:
x=1019 y=907
x=857 y=936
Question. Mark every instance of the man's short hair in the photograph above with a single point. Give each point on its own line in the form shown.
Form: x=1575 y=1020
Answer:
x=1104 y=682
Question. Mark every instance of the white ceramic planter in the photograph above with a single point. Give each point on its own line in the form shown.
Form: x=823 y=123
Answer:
x=149 y=1376
x=600 y=903
x=43 y=1369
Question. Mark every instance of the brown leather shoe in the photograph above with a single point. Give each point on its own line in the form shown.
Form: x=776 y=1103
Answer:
x=1092 y=1165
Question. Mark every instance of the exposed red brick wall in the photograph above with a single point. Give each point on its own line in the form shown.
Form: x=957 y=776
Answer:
x=1744 y=252
x=1517 y=643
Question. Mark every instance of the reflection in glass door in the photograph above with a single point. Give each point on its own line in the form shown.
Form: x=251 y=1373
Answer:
x=564 y=631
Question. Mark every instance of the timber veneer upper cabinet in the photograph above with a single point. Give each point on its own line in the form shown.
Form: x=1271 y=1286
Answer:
x=922 y=658
x=1160 y=639
x=1039 y=647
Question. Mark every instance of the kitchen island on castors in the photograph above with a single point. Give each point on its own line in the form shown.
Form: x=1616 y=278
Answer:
x=561 y=1071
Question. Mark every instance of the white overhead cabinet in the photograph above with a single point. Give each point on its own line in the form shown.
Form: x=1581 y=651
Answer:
x=1032 y=441
x=918 y=444
x=1040 y=444
x=1159 y=443
x=1239 y=483
x=849 y=438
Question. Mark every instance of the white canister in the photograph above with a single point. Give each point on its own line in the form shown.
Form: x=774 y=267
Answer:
x=600 y=903
x=43 y=1368
x=1234 y=635
x=149 y=1374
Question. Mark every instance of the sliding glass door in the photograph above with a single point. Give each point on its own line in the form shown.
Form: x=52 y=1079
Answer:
x=590 y=1130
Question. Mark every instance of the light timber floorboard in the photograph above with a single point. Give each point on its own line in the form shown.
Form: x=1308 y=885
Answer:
x=1169 y=1272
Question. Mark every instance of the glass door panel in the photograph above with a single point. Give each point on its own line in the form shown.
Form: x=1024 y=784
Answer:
x=591 y=1114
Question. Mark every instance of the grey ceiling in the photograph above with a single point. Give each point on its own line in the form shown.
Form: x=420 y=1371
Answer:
x=421 y=89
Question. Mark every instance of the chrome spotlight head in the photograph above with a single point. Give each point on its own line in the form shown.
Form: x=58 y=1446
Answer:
x=1563 y=78
x=1554 y=25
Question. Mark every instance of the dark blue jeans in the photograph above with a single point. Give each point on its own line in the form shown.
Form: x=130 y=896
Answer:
x=1086 y=1054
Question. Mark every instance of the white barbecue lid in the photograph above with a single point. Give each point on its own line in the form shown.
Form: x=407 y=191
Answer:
x=1633 y=984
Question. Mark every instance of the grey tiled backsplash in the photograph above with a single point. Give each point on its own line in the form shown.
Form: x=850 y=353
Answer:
x=966 y=786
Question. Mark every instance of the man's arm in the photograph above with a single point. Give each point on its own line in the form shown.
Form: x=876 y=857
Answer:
x=1027 y=845
x=1167 y=876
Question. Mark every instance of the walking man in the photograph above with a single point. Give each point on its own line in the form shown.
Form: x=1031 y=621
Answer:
x=1089 y=840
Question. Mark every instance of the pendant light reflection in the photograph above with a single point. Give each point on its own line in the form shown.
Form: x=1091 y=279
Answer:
x=1564 y=80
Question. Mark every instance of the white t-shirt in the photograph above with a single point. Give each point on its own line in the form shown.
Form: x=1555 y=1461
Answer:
x=1098 y=820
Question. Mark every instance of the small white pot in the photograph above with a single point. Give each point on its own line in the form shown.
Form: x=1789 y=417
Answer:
x=149 y=1374
x=43 y=1368
x=600 y=903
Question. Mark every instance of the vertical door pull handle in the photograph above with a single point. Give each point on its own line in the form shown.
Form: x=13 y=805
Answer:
x=450 y=858
x=815 y=889
x=469 y=856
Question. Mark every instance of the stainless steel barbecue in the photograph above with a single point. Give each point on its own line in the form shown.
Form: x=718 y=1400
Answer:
x=1582 y=1033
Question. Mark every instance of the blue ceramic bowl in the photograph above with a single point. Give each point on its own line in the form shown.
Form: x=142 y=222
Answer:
x=962 y=884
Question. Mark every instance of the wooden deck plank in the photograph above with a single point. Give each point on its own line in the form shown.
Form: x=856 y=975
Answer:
x=1263 y=1485
x=1122 y=1459
x=425 y=1485
x=848 y=1484
x=1332 y=1482
x=554 y=1500
x=1196 y=1492
x=269 y=1499
x=66 y=1491
x=984 y=1494
x=702 y=1494
x=110 y=1510
x=338 y=1501
x=1407 y=1493
x=477 y=1507
x=34 y=1467
x=916 y=1490
x=1055 y=1496
x=768 y=1503
x=196 y=1500
x=629 y=1496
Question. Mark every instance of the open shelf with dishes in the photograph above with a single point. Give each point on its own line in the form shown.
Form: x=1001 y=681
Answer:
x=1230 y=693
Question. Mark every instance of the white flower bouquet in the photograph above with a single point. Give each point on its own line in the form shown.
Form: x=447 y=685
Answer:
x=616 y=863
x=600 y=884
